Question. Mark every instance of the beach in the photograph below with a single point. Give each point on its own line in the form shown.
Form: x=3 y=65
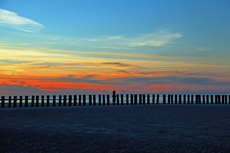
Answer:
x=149 y=128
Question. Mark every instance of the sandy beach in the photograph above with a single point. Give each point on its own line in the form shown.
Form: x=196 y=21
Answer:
x=162 y=128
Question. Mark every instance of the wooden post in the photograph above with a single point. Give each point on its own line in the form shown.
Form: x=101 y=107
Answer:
x=184 y=99
x=64 y=100
x=207 y=99
x=108 y=100
x=37 y=101
x=188 y=99
x=43 y=101
x=192 y=100
x=3 y=101
x=103 y=99
x=179 y=99
x=216 y=101
x=32 y=101
x=131 y=99
x=143 y=99
x=60 y=100
x=153 y=98
x=158 y=98
x=203 y=99
x=199 y=99
x=226 y=100
x=114 y=97
x=164 y=99
x=47 y=101
x=127 y=99
x=169 y=99
x=99 y=103
x=70 y=100
x=94 y=100
x=211 y=99
x=175 y=99
x=219 y=100
x=140 y=99
x=148 y=99
x=122 y=100
x=118 y=99
x=9 y=104
x=20 y=101
x=135 y=99
x=90 y=100
x=75 y=100
x=79 y=100
x=222 y=99
x=84 y=100
x=196 y=99
x=15 y=101
x=54 y=100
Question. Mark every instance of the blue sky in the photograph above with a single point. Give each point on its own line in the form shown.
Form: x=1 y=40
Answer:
x=179 y=35
x=203 y=24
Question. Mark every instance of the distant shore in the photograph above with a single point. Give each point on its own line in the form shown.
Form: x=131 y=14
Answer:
x=149 y=128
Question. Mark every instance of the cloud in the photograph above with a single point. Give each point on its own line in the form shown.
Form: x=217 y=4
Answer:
x=128 y=79
x=117 y=42
x=20 y=90
x=156 y=39
x=72 y=78
x=73 y=84
x=83 y=64
x=41 y=67
x=119 y=64
x=12 y=61
x=12 y=20
x=202 y=81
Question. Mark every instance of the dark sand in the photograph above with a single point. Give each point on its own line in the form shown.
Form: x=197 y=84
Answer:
x=174 y=128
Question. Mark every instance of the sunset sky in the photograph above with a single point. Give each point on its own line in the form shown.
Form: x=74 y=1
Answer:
x=131 y=46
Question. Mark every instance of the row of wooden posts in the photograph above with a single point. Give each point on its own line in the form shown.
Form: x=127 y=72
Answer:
x=116 y=99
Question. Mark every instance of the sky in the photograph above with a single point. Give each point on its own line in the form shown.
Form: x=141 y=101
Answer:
x=130 y=46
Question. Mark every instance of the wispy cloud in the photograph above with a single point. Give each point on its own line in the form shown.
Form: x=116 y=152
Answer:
x=77 y=65
x=116 y=42
x=202 y=49
x=119 y=64
x=156 y=39
x=14 y=21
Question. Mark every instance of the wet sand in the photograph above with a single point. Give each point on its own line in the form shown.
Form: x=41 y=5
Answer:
x=162 y=128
